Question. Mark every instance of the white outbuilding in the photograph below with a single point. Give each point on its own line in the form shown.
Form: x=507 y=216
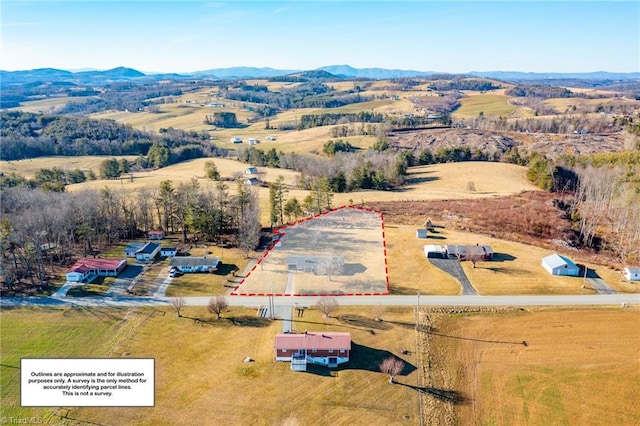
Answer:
x=631 y=274
x=433 y=251
x=560 y=265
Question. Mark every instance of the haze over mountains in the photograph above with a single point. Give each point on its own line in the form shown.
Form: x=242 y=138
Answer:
x=336 y=71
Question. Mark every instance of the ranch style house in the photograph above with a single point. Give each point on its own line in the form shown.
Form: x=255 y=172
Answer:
x=87 y=269
x=328 y=349
x=194 y=264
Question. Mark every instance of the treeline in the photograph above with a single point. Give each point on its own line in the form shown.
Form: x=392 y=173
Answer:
x=41 y=228
x=605 y=207
x=308 y=121
x=310 y=94
x=464 y=84
x=344 y=172
x=540 y=91
x=124 y=96
x=27 y=135
x=53 y=179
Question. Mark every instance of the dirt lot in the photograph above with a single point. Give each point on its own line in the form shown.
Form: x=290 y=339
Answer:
x=351 y=236
x=536 y=368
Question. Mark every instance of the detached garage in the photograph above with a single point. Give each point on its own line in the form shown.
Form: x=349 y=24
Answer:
x=631 y=274
x=560 y=265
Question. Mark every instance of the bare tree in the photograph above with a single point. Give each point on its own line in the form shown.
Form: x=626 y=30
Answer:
x=217 y=305
x=327 y=305
x=177 y=304
x=330 y=265
x=391 y=366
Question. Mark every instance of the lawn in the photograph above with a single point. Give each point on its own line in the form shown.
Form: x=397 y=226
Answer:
x=200 y=374
x=540 y=367
x=55 y=333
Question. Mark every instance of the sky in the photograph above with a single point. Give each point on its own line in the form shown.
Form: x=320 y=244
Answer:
x=451 y=36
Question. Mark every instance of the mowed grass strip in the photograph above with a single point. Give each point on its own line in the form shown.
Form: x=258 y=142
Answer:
x=574 y=367
x=201 y=376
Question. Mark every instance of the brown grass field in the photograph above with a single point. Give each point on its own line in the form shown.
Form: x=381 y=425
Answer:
x=487 y=103
x=29 y=168
x=543 y=367
x=200 y=374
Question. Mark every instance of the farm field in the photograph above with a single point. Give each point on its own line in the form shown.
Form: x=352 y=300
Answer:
x=538 y=367
x=29 y=168
x=200 y=373
x=488 y=104
x=46 y=106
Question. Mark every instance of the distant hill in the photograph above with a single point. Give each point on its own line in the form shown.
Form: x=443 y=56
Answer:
x=82 y=77
x=243 y=72
x=522 y=76
x=374 y=73
x=94 y=77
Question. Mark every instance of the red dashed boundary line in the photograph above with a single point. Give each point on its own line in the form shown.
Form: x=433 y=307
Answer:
x=280 y=231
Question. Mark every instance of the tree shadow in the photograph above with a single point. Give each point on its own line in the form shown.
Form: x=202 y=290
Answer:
x=226 y=269
x=444 y=395
x=363 y=358
x=238 y=321
x=363 y=322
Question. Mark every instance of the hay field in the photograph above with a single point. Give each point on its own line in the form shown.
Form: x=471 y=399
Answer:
x=355 y=235
x=449 y=181
x=577 y=367
x=29 y=168
x=489 y=104
x=49 y=105
x=200 y=374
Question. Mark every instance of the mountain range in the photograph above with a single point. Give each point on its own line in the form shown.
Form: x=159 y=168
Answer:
x=337 y=71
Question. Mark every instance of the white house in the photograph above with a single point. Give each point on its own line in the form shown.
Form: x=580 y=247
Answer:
x=252 y=141
x=328 y=349
x=236 y=140
x=252 y=181
x=631 y=274
x=168 y=251
x=148 y=252
x=194 y=264
x=251 y=170
x=560 y=265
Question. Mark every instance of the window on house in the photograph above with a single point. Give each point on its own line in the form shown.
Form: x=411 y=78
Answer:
x=341 y=351
x=330 y=351
x=283 y=350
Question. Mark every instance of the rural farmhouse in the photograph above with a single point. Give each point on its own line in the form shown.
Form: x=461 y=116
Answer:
x=476 y=252
x=560 y=265
x=631 y=274
x=328 y=349
x=194 y=264
x=156 y=234
x=87 y=269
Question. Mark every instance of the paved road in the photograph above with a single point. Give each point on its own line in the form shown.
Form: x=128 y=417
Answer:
x=255 y=301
